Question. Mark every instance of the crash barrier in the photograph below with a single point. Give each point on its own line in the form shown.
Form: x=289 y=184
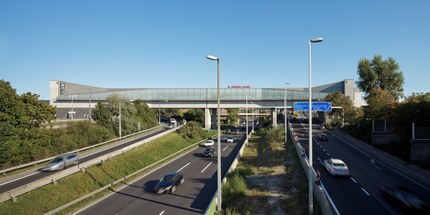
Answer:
x=210 y=210
x=14 y=193
x=124 y=178
x=325 y=203
x=75 y=151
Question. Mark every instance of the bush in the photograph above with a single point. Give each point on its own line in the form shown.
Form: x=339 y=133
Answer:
x=192 y=130
x=233 y=191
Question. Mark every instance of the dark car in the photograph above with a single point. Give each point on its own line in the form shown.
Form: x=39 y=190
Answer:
x=405 y=198
x=168 y=183
x=322 y=137
x=209 y=152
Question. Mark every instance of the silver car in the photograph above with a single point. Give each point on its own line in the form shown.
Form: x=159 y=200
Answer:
x=61 y=162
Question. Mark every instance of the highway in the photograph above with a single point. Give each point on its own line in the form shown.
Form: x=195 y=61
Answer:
x=192 y=197
x=35 y=175
x=359 y=193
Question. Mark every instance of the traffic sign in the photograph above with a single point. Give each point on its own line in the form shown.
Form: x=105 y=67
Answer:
x=316 y=106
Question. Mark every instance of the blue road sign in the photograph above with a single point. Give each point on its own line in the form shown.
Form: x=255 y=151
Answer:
x=316 y=106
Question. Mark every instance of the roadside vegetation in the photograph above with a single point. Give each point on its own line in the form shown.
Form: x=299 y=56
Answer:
x=51 y=196
x=269 y=178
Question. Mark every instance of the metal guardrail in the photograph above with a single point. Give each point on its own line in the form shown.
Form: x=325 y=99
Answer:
x=74 y=151
x=12 y=194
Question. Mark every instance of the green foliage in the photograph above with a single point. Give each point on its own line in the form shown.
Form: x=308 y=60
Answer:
x=348 y=111
x=380 y=104
x=233 y=191
x=384 y=74
x=233 y=116
x=197 y=115
x=192 y=130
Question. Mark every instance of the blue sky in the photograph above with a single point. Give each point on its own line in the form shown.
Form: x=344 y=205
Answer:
x=163 y=44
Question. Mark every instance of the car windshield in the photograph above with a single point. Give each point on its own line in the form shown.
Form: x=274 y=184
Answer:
x=209 y=149
x=339 y=164
x=167 y=178
x=56 y=160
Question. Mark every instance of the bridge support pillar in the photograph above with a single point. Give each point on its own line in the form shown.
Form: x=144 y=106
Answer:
x=274 y=117
x=208 y=119
x=214 y=118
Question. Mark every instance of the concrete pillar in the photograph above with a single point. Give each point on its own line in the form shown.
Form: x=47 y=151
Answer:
x=208 y=119
x=214 y=118
x=274 y=118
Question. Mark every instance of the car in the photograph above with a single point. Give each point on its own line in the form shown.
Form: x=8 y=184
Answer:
x=168 y=183
x=209 y=152
x=173 y=120
x=209 y=143
x=237 y=131
x=406 y=199
x=322 y=137
x=170 y=125
x=336 y=167
x=61 y=162
x=230 y=139
x=228 y=131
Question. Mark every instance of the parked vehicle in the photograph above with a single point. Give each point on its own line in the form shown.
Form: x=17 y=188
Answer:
x=209 y=152
x=406 y=199
x=168 y=183
x=209 y=143
x=322 y=137
x=61 y=162
x=336 y=167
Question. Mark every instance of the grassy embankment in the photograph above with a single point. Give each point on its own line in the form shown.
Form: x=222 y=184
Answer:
x=275 y=179
x=67 y=189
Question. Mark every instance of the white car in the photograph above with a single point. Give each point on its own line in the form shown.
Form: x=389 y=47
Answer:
x=336 y=167
x=208 y=143
x=230 y=140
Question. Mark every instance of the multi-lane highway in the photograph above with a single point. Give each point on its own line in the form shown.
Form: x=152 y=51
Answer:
x=191 y=197
x=359 y=193
x=35 y=174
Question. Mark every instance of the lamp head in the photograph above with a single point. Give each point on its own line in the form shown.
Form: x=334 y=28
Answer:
x=210 y=57
x=316 y=40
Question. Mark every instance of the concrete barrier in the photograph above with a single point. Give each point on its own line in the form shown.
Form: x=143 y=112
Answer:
x=12 y=194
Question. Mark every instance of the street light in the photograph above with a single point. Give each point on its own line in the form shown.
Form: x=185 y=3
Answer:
x=246 y=116
x=219 y=208
x=310 y=173
x=285 y=111
x=72 y=106
x=252 y=116
x=89 y=106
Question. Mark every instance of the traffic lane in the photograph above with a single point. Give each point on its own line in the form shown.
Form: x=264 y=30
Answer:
x=381 y=174
x=352 y=196
x=135 y=199
x=33 y=177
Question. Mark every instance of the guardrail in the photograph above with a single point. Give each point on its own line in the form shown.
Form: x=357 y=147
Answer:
x=326 y=205
x=12 y=194
x=78 y=150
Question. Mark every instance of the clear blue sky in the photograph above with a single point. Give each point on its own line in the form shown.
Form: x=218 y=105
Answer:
x=163 y=44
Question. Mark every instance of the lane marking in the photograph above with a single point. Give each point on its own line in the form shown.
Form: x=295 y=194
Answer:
x=183 y=167
x=374 y=164
x=364 y=190
x=16 y=179
x=225 y=148
x=353 y=180
x=328 y=154
x=206 y=167
x=324 y=150
x=162 y=212
x=319 y=159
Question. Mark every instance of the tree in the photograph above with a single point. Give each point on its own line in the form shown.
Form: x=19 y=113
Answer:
x=380 y=104
x=197 y=115
x=384 y=74
x=37 y=112
x=348 y=111
x=233 y=116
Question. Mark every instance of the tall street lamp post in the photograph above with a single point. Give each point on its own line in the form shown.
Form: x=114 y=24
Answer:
x=310 y=173
x=252 y=116
x=89 y=106
x=219 y=208
x=285 y=112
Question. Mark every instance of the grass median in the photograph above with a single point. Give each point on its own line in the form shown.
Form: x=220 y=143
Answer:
x=51 y=196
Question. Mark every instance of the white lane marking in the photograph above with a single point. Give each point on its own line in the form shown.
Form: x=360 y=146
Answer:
x=324 y=150
x=206 y=167
x=328 y=154
x=410 y=179
x=16 y=179
x=162 y=212
x=319 y=159
x=225 y=148
x=183 y=167
x=364 y=190
x=353 y=180
x=374 y=164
